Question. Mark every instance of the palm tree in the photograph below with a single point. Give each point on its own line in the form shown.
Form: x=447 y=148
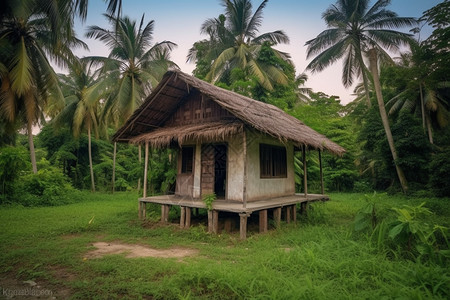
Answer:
x=83 y=92
x=421 y=93
x=234 y=42
x=29 y=36
x=134 y=66
x=356 y=30
x=302 y=92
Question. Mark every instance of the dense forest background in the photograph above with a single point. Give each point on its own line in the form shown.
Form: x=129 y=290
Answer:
x=78 y=112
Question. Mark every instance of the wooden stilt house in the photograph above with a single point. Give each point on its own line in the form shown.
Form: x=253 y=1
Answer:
x=240 y=149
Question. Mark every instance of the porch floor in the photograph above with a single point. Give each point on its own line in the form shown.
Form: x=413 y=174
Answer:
x=235 y=206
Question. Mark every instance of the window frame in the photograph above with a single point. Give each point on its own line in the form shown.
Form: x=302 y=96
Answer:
x=185 y=159
x=272 y=161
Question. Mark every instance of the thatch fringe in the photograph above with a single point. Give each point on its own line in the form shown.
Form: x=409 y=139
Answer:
x=202 y=132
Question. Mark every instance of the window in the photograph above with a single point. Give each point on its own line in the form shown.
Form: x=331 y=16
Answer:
x=272 y=161
x=187 y=159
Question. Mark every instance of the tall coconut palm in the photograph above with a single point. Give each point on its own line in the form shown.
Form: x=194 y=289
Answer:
x=234 y=42
x=29 y=39
x=83 y=92
x=356 y=30
x=134 y=65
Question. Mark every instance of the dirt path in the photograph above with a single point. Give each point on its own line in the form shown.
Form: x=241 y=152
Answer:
x=133 y=251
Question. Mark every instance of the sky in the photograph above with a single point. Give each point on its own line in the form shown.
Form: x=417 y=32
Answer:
x=179 y=21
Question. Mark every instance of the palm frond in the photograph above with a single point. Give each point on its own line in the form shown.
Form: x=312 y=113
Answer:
x=21 y=71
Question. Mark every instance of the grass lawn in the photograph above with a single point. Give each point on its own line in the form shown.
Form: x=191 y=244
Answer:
x=317 y=258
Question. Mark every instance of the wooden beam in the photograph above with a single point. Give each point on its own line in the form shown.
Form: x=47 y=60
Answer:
x=305 y=171
x=243 y=226
x=263 y=220
x=145 y=170
x=141 y=210
x=215 y=215
x=188 y=217
x=165 y=213
x=244 y=150
x=114 y=168
x=210 y=221
x=322 y=188
x=182 y=216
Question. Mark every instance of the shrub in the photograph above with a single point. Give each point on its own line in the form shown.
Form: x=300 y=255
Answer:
x=48 y=187
x=440 y=172
x=13 y=161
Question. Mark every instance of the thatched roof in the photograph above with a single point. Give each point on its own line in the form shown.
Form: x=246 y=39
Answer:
x=147 y=122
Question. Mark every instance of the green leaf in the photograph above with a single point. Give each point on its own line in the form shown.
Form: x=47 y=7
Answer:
x=396 y=230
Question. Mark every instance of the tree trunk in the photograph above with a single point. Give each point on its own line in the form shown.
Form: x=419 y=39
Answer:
x=373 y=65
x=114 y=168
x=90 y=159
x=364 y=77
x=422 y=106
x=31 y=145
x=430 y=131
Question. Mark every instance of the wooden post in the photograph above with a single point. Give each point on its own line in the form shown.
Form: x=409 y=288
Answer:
x=140 y=164
x=243 y=226
x=165 y=213
x=263 y=220
x=114 y=168
x=188 y=218
x=215 y=216
x=210 y=221
x=288 y=214
x=140 y=210
x=305 y=175
x=244 y=150
x=277 y=216
x=182 y=216
x=321 y=173
x=145 y=170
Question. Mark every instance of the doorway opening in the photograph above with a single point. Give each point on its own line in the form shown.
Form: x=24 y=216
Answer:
x=220 y=169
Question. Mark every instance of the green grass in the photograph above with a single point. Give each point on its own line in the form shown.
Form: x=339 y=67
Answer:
x=317 y=258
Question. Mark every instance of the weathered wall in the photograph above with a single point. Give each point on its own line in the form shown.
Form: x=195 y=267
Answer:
x=235 y=168
x=260 y=188
x=257 y=188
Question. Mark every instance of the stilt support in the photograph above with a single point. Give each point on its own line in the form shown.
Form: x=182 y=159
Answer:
x=182 y=216
x=165 y=213
x=215 y=228
x=142 y=210
x=263 y=220
x=288 y=214
x=294 y=213
x=243 y=226
x=188 y=217
x=210 y=221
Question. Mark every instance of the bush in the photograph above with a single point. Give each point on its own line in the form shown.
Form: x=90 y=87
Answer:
x=13 y=161
x=440 y=173
x=49 y=187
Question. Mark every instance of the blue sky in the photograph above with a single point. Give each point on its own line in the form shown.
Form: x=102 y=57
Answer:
x=179 y=21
